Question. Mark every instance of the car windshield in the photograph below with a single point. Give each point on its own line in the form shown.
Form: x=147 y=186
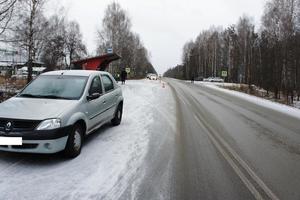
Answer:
x=55 y=87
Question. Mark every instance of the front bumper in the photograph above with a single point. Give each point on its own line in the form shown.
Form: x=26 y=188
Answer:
x=38 y=146
x=43 y=142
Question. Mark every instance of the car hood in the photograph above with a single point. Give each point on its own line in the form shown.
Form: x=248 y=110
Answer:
x=34 y=109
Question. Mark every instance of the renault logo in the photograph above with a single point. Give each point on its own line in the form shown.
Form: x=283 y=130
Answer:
x=8 y=127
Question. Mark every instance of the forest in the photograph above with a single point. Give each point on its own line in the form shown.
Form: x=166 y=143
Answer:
x=267 y=56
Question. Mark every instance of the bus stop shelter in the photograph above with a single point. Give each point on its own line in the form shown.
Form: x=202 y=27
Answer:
x=99 y=63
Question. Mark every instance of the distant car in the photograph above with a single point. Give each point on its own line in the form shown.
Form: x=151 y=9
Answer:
x=153 y=77
x=214 y=79
x=199 y=78
x=148 y=75
x=55 y=111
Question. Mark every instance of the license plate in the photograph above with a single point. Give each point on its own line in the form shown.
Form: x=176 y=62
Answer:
x=11 y=140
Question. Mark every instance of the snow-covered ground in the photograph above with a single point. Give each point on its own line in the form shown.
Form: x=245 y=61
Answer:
x=295 y=112
x=297 y=104
x=111 y=159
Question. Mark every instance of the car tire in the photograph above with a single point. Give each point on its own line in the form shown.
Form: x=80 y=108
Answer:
x=74 y=143
x=118 y=116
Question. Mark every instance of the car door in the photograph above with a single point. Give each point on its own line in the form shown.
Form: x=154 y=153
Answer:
x=110 y=96
x=96 y=107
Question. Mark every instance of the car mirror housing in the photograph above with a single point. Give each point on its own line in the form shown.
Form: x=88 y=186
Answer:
x=93 y=96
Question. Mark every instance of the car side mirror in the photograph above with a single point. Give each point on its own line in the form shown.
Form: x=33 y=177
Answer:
x=93 y=96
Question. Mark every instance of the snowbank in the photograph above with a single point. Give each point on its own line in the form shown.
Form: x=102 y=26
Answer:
x=288 y=110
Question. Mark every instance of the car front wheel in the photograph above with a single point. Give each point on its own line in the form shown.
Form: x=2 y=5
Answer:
x=118 y=116
x=74 y=143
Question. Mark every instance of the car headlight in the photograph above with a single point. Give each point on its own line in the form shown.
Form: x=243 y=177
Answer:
x=49 y=124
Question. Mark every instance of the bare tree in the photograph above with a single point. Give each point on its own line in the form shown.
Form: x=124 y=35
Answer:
x=186 y=59
x=53 y=52
x=280 y=24
x=246 y=39
x=7 y=8
x=116 y=33
x=30 y=30
x=74 y=44
x=63 y=43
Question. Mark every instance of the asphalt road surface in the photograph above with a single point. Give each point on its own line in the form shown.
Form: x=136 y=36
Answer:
x=178 y=141
x=229 y=148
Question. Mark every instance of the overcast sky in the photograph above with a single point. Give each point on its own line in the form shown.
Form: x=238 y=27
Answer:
x=164 y=25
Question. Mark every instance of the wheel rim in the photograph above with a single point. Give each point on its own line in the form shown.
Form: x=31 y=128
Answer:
x=77 y=140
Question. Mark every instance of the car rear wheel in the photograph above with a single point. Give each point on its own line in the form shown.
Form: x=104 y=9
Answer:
x=74 y=144
x=118 y=116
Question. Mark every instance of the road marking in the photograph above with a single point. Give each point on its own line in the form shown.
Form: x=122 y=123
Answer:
x=246 y=174
x=222 y=147
x=244 y=179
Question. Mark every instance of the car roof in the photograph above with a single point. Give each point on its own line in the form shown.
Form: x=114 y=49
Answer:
x=74 y=72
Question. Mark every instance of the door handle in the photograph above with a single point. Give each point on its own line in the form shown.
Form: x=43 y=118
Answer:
x=104 y=102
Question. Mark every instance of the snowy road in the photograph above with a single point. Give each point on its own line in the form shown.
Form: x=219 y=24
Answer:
x=111 y=163
x=184 y=141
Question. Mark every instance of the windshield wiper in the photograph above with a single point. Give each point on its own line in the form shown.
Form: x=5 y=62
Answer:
x=29 y=95
x=54 y=97
x=44 y=96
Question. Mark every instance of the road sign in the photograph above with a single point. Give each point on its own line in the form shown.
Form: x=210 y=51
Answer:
x=109 y=50
x=224 y=74
x=127 y=70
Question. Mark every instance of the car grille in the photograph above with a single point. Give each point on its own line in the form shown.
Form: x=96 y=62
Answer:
x=25 y=146
x=19 y=125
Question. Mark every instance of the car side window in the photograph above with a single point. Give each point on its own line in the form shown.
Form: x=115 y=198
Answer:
x=107 y=83
x=96 y=86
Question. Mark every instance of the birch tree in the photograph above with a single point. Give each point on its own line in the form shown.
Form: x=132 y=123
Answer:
x=116 y=33
x=7 y=8
x=30 y=30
